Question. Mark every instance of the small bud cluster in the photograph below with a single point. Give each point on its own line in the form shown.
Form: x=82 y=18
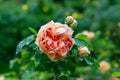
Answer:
x=71 y=21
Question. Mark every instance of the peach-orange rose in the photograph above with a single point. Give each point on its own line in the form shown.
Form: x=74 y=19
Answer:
x=54 y=39
x=104 y=66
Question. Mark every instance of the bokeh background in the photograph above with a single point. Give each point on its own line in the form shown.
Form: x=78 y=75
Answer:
x=99 y=16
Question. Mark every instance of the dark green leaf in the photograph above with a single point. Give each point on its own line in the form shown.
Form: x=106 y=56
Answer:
x=83 y=37
x=80 y=59
x=79 y=42
x=24 y=42
x=33 y=46
x=82 y=42
x=74 y=51
x=89 y=60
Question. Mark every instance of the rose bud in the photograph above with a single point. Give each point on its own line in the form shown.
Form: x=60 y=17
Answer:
x=104 y=66
x=73 y=24
x=69 y=20
x=119 y=24
x=83 y=51
x=89 y=34
x=54 y=39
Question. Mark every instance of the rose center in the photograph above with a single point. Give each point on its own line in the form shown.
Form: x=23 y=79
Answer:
x=60 y=30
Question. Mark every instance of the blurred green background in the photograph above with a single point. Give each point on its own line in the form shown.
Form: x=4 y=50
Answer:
x=99 y=16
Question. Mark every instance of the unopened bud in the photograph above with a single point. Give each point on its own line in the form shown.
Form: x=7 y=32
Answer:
x=83 y=51
x=74 y=24
x=104 y=66
x=119 y=24
x=69 y=20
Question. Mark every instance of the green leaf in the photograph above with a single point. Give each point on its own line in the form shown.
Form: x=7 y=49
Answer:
x=33 y=30
x=90 y=46
x=26 y=55
x=89 y=60
x=75 y=51
x=82 y=37
x=24 y=42
x=80 y=59
x=79 y=43
x=116 y=74
x=33 y=46
x=62 y=77
x=83 y=42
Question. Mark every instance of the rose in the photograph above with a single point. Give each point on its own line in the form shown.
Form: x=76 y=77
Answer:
x=104 y=66
x=54 y=39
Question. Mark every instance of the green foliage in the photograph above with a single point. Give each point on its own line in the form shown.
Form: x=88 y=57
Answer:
x=24 y=42
x=79 y=43
x=40 y=61
x=84 y=41
x=89 y=60
x=98 y=16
